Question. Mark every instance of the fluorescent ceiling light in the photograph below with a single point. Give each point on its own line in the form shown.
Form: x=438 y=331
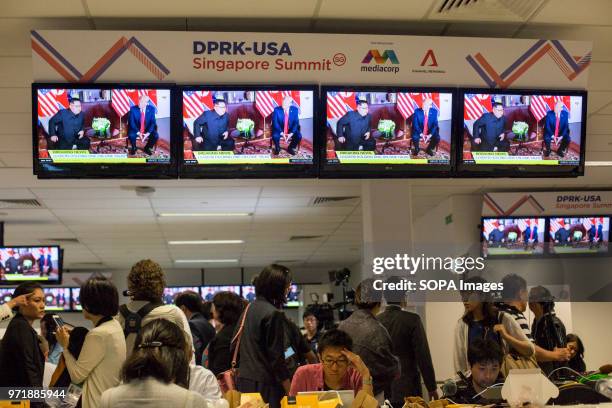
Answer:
x=236 y=214
x=598 y=163
x=205 y=260
x=208 y=242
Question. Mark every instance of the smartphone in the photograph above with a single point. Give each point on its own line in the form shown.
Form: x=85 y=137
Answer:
x=289 y=352
x=58 y=320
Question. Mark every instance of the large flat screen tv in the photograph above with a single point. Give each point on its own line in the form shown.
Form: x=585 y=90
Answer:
x=513 y=237
x=103 y=130
x=30 y=263
x=208 y=292
x=248 y=131
x=170 y=293
x=584 y=235
x=57 y=299
x=372 y=132
x=521 y=133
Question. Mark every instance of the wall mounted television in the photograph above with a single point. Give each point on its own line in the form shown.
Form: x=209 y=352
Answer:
x=103 y=130
x=30 y=263
x=248 y=131
x=369 y=132
x=521 y=133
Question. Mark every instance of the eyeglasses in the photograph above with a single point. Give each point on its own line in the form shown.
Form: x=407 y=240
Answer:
x=340 y=363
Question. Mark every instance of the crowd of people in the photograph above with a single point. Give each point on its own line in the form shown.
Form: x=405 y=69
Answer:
x=147 y=353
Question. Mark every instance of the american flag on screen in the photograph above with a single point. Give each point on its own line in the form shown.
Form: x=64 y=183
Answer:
x=265 y=102
x=476 y=105
x=339 y=103
x=555 y=225
x=490 y=225
x=196 y=102
x=122 y=100
x=538 y=106
x=405 y=104
x=50 y=101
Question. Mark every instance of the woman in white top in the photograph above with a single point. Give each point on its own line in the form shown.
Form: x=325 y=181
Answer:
x=482 y=320
x=99 y=363
x=157 y=372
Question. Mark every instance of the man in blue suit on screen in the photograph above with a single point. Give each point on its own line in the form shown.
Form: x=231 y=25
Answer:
x=142 y=125
x=286 y=124
x=596 y=233
x=530 y=235
x=45 y=263
x=425 y=126
x=557 y=125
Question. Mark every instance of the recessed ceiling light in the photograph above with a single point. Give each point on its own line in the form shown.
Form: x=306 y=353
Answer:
x=205 y=260
x=236 y=214
x=208 y=242
x=598 y=163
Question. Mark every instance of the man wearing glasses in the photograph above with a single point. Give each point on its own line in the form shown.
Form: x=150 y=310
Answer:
x=340 y=369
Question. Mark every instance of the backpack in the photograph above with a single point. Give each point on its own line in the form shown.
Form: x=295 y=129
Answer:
x=133 y=320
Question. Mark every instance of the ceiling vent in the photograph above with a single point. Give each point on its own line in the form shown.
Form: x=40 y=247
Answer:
x=485 y=10
x=334 y=201
x=305 y=237
x=19 y=204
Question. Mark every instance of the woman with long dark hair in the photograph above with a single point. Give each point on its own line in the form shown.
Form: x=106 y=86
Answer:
x=574 y=344
x=157 y=373
x=262 y=366
x=226 y=310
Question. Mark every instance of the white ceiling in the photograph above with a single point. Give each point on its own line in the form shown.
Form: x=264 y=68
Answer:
x=116 y=227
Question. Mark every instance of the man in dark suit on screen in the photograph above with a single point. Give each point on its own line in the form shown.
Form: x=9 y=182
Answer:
x=530 y=235
x=425 y=126
x=562 y=236
x=210 y=129
x=66 y=130
x=497 y=236
x=142 y=124
x=286 y=124
x=45 y=265
x=489 y=134
x=557 y=125
x=596 y=233
x=353 y=130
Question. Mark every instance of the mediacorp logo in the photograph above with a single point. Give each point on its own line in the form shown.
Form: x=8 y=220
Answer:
x=381 y=60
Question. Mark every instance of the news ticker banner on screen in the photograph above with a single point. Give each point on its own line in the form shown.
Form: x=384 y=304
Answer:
x=547 y=203
x=232 y=57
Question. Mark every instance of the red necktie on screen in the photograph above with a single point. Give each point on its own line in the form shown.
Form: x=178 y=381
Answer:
x=531 y=234
x=557 y=127
x=596 y=233
x=286 y=127
x=425 y=127
x=142 y=118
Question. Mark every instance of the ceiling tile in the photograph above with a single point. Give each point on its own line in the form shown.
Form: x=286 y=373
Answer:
x=593 y=12
x=41 y=8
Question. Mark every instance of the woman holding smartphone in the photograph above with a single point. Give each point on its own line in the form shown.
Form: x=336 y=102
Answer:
x=98 y=365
